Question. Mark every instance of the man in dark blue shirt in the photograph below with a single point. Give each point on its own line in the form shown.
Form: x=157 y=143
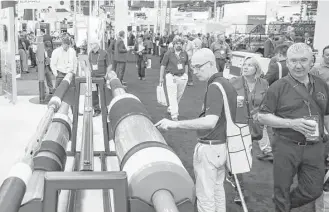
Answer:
x=296 y=106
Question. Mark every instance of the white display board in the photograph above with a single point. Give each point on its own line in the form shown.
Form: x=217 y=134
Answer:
x=7 y=56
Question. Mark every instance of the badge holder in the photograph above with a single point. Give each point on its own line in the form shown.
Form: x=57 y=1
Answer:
x=95 y=67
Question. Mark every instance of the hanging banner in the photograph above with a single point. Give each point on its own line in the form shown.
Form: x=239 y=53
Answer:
x=163 y=11
x=168 y=17
x=7 y=56
x=158 y=14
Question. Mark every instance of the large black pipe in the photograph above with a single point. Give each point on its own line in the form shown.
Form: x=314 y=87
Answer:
x=13 y=188
x=155 y=173
x=52 y=153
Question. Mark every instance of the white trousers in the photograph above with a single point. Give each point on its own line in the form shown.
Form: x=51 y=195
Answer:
x=175 y=88
x=209 y=162
x=265 y=143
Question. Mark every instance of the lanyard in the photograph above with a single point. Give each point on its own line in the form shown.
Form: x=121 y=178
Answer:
x=251 y=93
x=97 y=58
x=307 y=103
x=178 y=57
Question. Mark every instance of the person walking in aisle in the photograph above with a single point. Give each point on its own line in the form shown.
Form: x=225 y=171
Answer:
x=175 y=64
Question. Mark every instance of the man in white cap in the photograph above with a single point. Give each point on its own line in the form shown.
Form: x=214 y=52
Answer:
x=210 y=153
x=100 y=63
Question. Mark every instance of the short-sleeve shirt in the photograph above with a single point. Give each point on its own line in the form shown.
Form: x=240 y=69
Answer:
x=221 y=51
x=283 y=101
x=321 y=70
x=214 y=105
x=272 y=74
x=171 y=61
x=102 y=59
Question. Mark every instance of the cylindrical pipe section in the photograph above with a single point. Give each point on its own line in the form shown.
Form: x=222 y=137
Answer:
x=52 y=153
x=134 y=130
x=150 y=164
x=116 y=87
x=13 y=189
x=60 y=91
x=163 y=201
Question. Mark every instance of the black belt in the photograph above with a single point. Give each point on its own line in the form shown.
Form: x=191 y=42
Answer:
x=304 y=143
x=177 y=74
x=211 y=142
x=308 y=143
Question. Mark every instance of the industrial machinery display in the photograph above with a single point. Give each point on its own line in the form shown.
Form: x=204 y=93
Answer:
x=49 y=177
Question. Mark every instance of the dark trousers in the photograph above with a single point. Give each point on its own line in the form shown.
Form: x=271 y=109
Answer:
x=190 y=73
x=32 y=57
x=220 y=64
x=305 y=161
x=155 y=49
x=49 y=82
x=59 y=78
x=114 y=65
x=120 y=69
x=163 y=51
x=141 y=66
x=95 y=98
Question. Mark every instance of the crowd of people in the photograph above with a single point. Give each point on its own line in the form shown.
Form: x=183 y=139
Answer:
x=286 y=108
x=289 y=127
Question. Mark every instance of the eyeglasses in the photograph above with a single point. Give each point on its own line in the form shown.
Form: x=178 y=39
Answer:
x=303 y=61
x=198 y=66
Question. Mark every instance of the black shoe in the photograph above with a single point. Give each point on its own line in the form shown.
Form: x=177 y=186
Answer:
x=267 y=156
x=237 y=199
x=96 y=113
x=230 y=179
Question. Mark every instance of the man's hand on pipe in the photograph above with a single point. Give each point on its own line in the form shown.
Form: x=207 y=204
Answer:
x=166 y=124
x=110 y=75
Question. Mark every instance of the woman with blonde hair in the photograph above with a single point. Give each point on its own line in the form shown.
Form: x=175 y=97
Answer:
x=251 y=90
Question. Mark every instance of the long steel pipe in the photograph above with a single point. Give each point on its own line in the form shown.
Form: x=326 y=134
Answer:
x=163 y=201
x=87 y=147
x=53 y=107
x=154 y=171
